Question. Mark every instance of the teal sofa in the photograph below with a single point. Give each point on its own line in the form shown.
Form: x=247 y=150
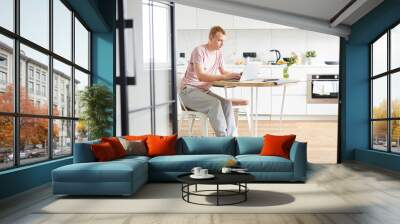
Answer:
x=125 y=176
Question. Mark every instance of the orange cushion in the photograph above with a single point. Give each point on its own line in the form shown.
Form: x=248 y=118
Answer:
x=103 y=152
x=116 y=145
x=161 y=145
x=277 y=145
x=136 y=137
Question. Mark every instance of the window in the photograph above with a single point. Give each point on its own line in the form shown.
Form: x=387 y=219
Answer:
x=7 y=14
x=35 y=21
x=81 y=45
x=3 y=78
x=62 y=29
x=45 y=131
x=30 y=87
x=385 y=96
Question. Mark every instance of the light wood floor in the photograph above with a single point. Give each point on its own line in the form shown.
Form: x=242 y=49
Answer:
x=379 y=190
x=321 y=136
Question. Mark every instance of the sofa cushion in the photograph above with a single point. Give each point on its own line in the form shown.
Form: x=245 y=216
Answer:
x=257 y=163
x=111 y=171
x=277 y=145
x=249 y=145
x=103 y=152
x=207 y=145
x=116 y=145
x=161 y=145
x=185 y=163
x=134 y=147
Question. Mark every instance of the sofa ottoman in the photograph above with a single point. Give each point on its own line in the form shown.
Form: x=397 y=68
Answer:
x=119 y=177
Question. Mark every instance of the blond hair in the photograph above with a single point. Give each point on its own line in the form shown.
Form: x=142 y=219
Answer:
x=214 y=30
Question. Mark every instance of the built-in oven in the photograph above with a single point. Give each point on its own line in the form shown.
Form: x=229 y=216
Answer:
x=322 y=88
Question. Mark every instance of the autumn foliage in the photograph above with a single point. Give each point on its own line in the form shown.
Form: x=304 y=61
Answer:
x=380 y=127
x=33 y=131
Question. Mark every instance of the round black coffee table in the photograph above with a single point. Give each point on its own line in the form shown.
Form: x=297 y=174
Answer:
x=238 y=179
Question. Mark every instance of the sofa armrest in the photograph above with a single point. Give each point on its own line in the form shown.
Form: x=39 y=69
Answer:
x=298 y=155
x=83 y=152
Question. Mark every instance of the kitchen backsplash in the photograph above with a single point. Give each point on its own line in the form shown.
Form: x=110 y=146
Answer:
x=261 y=41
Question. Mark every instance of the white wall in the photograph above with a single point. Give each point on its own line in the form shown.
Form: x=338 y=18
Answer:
x=261 y=41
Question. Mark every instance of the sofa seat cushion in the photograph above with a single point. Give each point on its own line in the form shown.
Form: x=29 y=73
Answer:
x=185 y=163
x=257 y=163
x=112 y=171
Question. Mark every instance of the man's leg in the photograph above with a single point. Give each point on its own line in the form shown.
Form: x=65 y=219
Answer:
x=198 y=100
x=229 y=114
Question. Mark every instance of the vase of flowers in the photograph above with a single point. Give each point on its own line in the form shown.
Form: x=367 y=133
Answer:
x=310 y=56
x=289 y=62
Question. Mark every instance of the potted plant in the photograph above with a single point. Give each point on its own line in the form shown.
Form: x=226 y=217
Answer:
x=289 y=62
x=96 y=102
x=310 y=55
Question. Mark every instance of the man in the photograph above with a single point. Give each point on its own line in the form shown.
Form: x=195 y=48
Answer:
x=205 y=66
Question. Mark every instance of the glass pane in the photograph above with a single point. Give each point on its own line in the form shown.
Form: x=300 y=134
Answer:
x=379 y=98
x=34 y=72
x=164 y=120
x=395 y=136
x=33 y=139
x=162 y=33
x=379 y=135
x=81 y=81
x=146 y=33
x=62 y=29
x=163 y=85
x=140 y=122
x=6 y=75
x=81 y=45
x=379 y=55
x=395 y=47
x=81 y=131
x=7 y=14
x=6 y=142
x=35 y=21
x=62 y=89
x=62 y=138
x=395 y=94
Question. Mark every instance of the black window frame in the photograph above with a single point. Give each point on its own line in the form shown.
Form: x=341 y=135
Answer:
x=388 y=74
x=16 y=115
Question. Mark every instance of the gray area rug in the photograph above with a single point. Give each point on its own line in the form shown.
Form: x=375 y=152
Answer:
x=166 y=198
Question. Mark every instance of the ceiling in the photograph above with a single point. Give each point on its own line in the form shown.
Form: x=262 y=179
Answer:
x=314 y=15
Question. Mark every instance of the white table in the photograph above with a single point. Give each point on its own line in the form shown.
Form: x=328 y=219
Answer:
x=254 y=85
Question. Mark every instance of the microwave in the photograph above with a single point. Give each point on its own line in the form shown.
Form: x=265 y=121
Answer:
x=322 y=88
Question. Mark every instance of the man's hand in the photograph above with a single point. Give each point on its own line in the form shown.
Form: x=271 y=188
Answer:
x=233 y=75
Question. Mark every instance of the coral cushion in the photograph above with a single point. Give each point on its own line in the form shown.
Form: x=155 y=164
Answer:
x=136 y=137
x=103 y=152
x=161 y=145
x=116 y=145
x=277 y=145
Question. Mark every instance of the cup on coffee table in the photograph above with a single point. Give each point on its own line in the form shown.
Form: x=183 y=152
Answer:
x=203 y=172
x=196 y=170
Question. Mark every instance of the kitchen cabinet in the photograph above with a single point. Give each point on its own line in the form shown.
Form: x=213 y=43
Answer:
x=294 y=105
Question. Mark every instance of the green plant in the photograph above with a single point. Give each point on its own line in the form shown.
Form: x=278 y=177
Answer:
x=311 y=54
x=96 y=102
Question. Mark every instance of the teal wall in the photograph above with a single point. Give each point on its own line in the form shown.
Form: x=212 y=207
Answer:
x=99 y=16
x=103 y=62
x=355 y=109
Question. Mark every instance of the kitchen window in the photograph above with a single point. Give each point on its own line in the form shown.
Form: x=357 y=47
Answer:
x=385 y=96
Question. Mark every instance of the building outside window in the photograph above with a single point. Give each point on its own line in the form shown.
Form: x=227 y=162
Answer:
x=34 y=81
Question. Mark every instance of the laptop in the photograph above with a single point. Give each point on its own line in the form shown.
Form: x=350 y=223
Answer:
x=249 y=73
